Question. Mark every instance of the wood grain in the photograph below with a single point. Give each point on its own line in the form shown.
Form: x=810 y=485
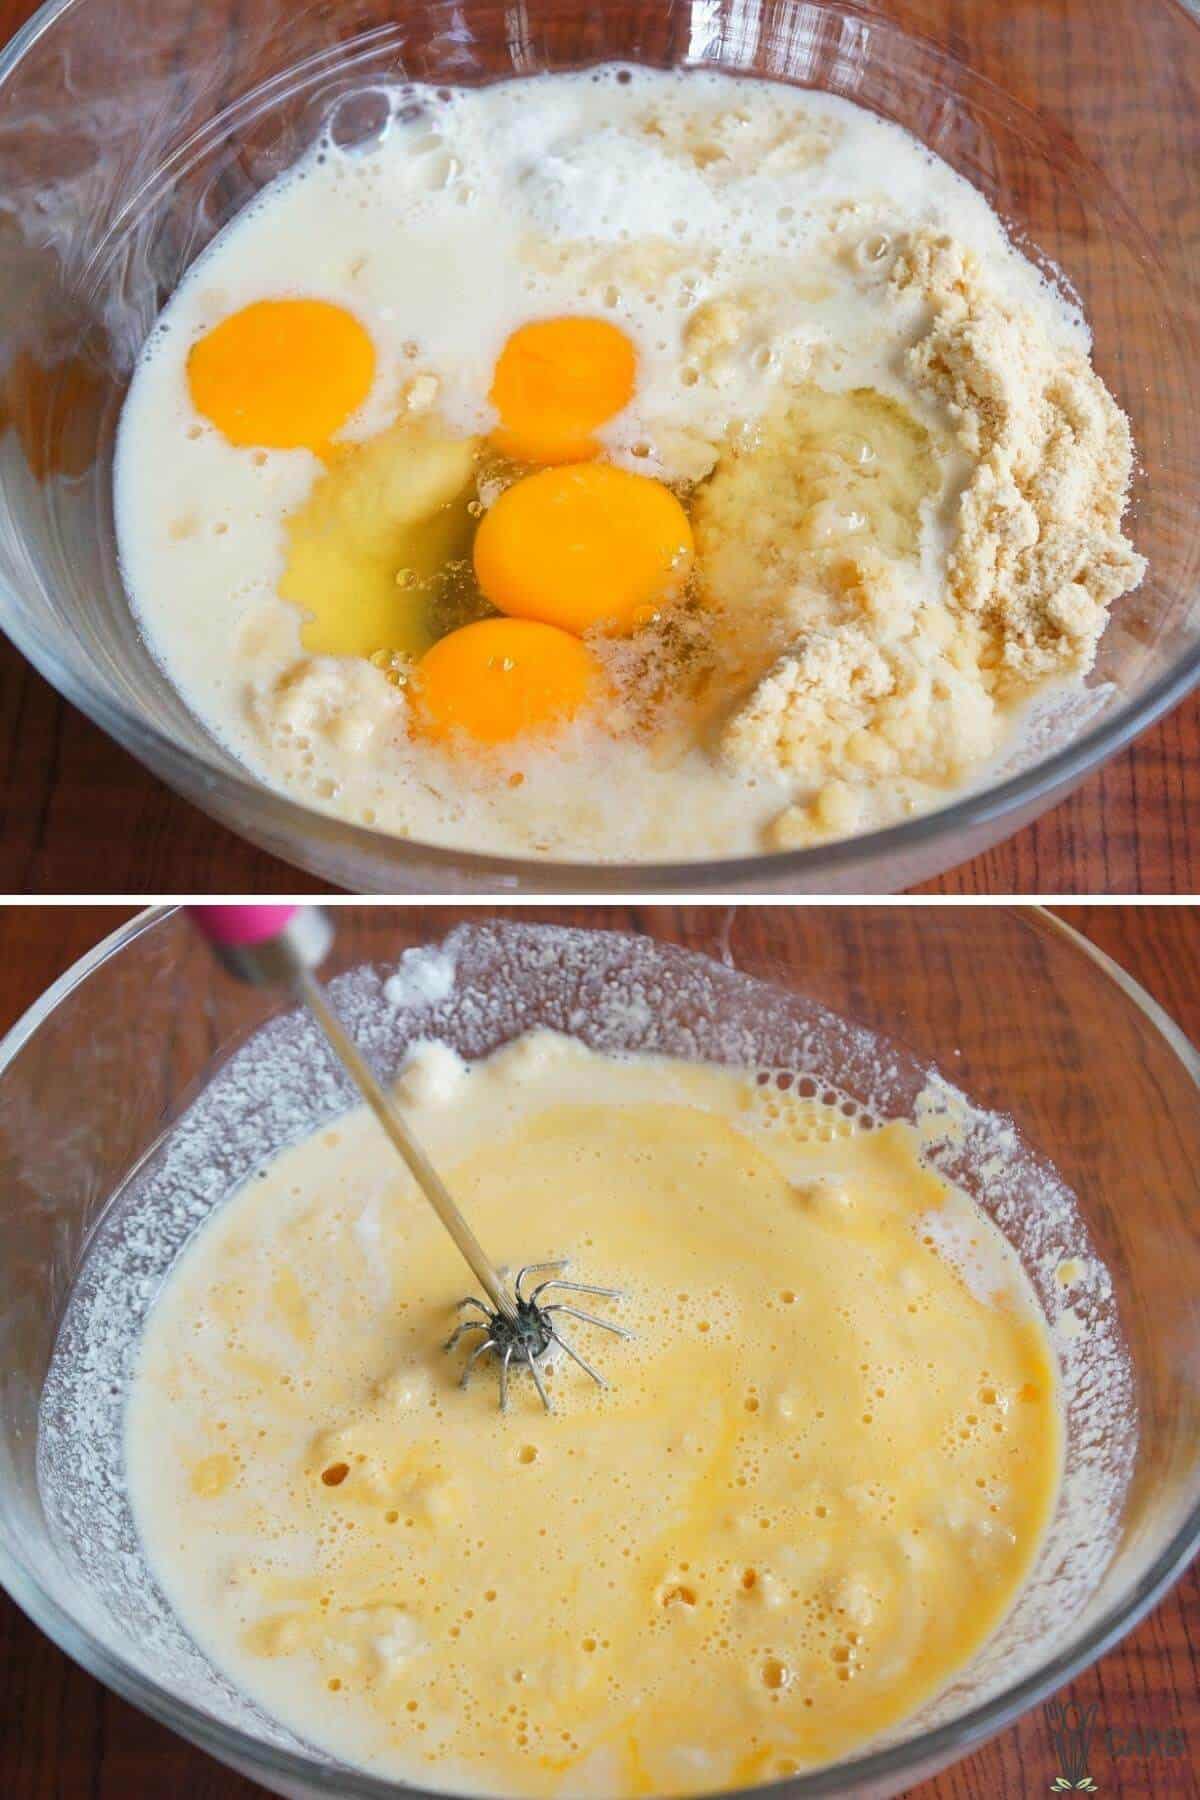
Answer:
x=79 y=815
x=64 y=1736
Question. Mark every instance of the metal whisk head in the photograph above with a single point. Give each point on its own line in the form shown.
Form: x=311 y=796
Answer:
x=524 y=1336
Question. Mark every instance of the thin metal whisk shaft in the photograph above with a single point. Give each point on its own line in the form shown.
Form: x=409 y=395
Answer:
x=423 y=1172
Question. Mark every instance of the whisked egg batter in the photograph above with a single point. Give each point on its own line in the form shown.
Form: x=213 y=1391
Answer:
x=737 y=393
x=819 y=1476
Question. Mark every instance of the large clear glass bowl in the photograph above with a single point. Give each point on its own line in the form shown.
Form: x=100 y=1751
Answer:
x=132 y=130
x=109 y=1082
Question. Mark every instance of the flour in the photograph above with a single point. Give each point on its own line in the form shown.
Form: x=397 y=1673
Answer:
x=423 y=978
x=1040 y=553
x=900 y=668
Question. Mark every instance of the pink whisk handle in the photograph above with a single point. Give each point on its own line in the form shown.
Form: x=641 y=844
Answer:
x=234 y=927
x=265 y=944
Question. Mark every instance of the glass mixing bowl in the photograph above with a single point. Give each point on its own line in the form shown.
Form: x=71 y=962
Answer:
x=111 y=1084
x=132 y=130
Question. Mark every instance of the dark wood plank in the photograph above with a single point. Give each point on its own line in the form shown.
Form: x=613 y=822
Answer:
x=64 y=1736
x=79 y=815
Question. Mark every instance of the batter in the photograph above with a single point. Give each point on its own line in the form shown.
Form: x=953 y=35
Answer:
x=815 y=1485
x=620 y=465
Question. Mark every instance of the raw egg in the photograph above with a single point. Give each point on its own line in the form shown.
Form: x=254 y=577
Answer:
x=282 y=374
x=365 y=549
x=502 y=679
x=584 y=546
x=555 y=381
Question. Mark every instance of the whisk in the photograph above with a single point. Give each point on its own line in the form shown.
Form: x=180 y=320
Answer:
x=284 y=945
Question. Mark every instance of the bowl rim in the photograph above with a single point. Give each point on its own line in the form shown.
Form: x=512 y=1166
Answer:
x=299 y=832
x=926 y=1752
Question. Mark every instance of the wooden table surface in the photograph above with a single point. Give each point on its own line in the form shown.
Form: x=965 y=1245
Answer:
x=64 y=1736
x=78 y=815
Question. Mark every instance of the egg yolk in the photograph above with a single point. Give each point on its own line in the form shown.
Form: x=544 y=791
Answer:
x=555 y=381
x=282 y=374
x=502 y=679
x=582 y=547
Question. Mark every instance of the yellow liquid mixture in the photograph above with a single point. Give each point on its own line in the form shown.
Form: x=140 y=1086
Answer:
x=819 y=1477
